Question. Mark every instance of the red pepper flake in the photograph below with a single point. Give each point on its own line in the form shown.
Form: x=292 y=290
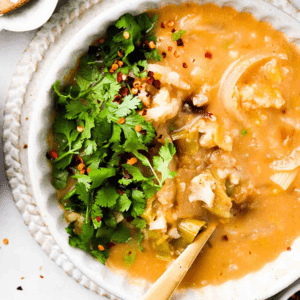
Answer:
x=19 y=288
x=225 y=238
x=22 y=278
x=53 y=154
x=25 y=146
x=41 y=276
x=150 y=80
x=98 y=219
x=118 y=99
x=120 y=192
x=150 y=74
x=5 y=241
x=144 y=112
x=91 y=218
x=109 y=245
x=156 y=84
x=162 y=25
x=283 y=111
x=124 y=91
x=173 y=30
x=180 y=42
x=208 y=55
x=170 y=48
x=288 y=248
x=193 y=60
x=143 y=132
x=164 y=54
x=98 y=101
x=184 y=65
x=119 y=77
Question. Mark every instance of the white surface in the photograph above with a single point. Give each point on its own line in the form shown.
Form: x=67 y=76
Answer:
x=23 y=257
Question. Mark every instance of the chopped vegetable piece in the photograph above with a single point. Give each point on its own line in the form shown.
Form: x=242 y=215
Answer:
x=189 y=228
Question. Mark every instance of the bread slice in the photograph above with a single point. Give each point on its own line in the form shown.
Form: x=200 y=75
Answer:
x=7 y=6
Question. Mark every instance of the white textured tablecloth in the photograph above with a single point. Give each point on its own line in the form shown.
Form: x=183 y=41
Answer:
x=23 y=257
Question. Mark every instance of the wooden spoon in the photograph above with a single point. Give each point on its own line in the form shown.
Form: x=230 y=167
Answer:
x=165 y=286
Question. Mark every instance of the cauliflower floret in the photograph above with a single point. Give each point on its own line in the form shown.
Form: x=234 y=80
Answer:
x=201 y=189
x=211 y=136
x=164 y=108
x=173 y=233
x=253 y=96
x=166 y=75
x=160 y=223
x=168 y=192
x=200 y=100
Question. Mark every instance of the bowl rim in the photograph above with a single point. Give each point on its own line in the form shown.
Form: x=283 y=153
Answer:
x=17 y=159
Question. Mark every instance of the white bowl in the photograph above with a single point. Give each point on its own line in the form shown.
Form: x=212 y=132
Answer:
x=73 y=30
x=29 y=16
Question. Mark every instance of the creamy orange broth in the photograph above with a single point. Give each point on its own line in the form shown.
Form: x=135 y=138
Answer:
x=269 y=221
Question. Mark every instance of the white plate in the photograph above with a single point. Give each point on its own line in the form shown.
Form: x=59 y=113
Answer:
x=73 y=29
x=29 y=16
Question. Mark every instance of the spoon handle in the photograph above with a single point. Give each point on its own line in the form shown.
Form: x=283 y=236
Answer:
x=165 y=286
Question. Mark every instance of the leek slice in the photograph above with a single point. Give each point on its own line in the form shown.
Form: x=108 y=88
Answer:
x=189 y=228
x=232 y=76
x=288 y=163
x=284 y=179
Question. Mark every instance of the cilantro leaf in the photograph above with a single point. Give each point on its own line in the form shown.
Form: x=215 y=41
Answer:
x=97 y=215
x=177 y=35
x=161 y=163
x=82 y=83
x=136 y=68
x=102 y=256
x=121 y=234
x=98 y=176
x=135 y=173
x=59 y=179
x=107 y=196
x=128 y=104
x=124 y=203
x=82 y=193
x=90 y=147
x=138 y=203
x=85 y=179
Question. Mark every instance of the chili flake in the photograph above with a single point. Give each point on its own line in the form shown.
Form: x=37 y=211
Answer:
x=180 y=42
x=184 y=65
x=208 y=55
x=5 y=241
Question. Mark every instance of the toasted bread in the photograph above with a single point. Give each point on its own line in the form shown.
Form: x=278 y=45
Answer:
x=7 y=6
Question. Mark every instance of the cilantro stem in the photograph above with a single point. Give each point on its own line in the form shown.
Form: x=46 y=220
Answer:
x=65 y=154
x=146 y=162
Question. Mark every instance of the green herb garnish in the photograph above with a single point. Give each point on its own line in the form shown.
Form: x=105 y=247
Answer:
x=95 y=129
x=177 y=35
x=244 y=132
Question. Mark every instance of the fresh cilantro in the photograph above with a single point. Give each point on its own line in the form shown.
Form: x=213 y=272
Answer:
x=129 y=258
x=107 y=196
x=177 y=35
x=93 y=144
x=140 y=68
x=59 y=179
x=161 y=162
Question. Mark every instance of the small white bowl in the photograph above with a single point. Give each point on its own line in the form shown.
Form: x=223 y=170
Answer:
x=27 y=120
x=29 y=16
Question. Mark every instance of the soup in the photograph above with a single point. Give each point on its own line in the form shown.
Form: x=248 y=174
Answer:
x=224 y=97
